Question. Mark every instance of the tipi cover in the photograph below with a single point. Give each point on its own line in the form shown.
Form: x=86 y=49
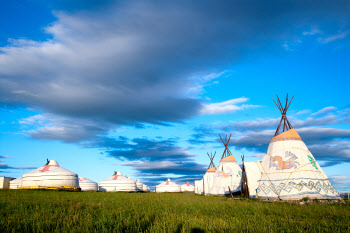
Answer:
x=167 y=187
x=187 y=187
x=86 y=184
x=16 y=183
x=118 y=183
x=50 y=176
x=228 y=174
x=288 y=171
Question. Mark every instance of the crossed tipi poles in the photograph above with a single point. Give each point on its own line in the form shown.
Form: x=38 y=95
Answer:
x=286 y=125
x=227 y=151
x=211 y=157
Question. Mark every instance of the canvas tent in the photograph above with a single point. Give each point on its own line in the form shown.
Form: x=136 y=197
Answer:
x=86 y=184
x=288 y=171
x=118 y=183
x=228 y=175
x=187 y=187
x=203 y=186
x=168 y=187
x=50 y=176
x=16 y=183
x=145 y=188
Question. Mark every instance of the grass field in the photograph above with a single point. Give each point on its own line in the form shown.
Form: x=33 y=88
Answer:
x=43 y=211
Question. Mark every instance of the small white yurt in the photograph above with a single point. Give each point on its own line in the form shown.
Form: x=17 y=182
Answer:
x=50 y=176
x=145 y=188
x=16 y=183
x=187 y=187
x=86 y=184
x=139 y=186
x=118 y=183
x=167 y=187
x=288 y=171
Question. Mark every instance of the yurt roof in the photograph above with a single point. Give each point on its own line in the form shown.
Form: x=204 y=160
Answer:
x=168 y=182
x=85 y=180
x=117 y=178
x=51 y=168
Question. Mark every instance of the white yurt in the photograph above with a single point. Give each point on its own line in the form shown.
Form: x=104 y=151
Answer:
x=187 y=187
x=228 y=174
x=50 y=176
x=288 y=171
x=118 y=183
x=16 y=183
x=139 y=186
x=145 y=188
x=167 y=187
x=86 y=184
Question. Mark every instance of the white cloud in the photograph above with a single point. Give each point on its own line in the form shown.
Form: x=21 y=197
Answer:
x=313 y=31
x=338 y=36
x=228 y=106
x=324 y=110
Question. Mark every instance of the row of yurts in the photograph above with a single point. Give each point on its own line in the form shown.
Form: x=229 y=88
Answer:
x=288 y=171
x=53 y=176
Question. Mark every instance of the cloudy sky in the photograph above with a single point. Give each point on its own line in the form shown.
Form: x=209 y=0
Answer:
x=146 y=87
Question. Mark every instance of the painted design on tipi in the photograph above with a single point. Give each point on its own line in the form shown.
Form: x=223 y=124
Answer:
x=312 y=161
x=279 y=164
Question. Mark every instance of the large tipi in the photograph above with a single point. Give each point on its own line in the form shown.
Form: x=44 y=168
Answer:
x=203 y=186
x=168 y=186
x=227 y=178
x=187 y=187
x=50 y=176
x=118 y=183
x=288 y=171
x=86 y=184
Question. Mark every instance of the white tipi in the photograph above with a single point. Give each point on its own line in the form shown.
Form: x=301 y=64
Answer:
x=288 y=171
x=86 y=184
x=50 y=176
x=167 y=187
x=228 y=175
x=207 y=179
x=118 y=183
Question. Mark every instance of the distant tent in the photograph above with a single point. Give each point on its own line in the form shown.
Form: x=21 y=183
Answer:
x=288 y=171
x=167 y=187
x=16 y=183
x=187 y=187
x=50 y=176
x=207 y=179
x=145 y=188
x=86 y=184
x=118 y=183
x=140 y=185
x=228 y=175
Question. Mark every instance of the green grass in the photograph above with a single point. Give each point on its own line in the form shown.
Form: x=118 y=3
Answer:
x=43 y=211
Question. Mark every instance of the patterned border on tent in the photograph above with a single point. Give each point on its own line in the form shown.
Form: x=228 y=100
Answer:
x=315 y=188
x=284 y=139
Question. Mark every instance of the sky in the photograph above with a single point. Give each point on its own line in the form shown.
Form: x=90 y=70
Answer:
x=146 y=87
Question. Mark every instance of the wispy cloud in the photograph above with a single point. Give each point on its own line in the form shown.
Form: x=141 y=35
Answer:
x=228 y=106
x=332 y=38
x=324 y=110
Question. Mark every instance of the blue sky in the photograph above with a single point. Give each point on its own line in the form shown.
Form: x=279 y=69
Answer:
x=146 y=87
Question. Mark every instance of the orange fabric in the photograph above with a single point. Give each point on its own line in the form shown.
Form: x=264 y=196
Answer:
x=212 y=169
x=229 y=158
x=287 y=135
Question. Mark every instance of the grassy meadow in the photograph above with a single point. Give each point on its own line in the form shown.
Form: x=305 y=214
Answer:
x=47 y=211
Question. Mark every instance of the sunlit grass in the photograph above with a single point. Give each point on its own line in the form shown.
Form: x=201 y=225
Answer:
x=42 y=211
